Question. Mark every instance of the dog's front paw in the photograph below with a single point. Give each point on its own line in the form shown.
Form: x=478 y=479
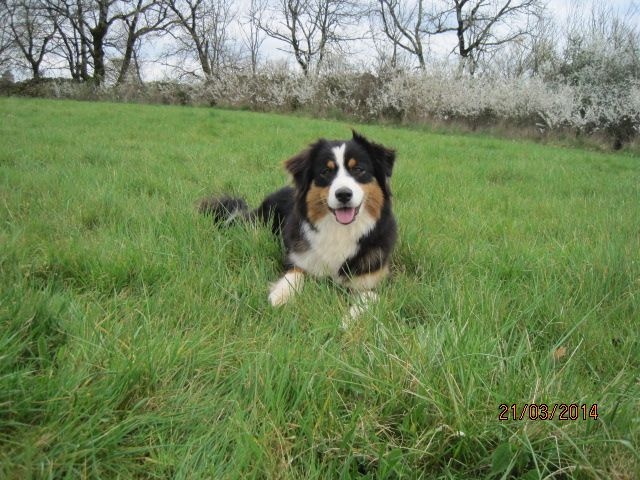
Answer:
x=282 y=291
x=363 y=300
x=279 y=294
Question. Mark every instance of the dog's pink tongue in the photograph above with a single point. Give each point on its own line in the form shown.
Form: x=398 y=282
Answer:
x=345 y=215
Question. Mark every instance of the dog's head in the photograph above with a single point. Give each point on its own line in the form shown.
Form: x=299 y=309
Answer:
x=342 y=179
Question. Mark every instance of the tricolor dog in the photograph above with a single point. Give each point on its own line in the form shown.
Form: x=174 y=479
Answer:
x=335 y=221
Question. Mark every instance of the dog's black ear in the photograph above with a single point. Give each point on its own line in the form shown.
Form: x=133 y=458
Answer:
x=382 y=156
x=298 y=166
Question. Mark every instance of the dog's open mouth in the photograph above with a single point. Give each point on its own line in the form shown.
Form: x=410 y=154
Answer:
x=345 y=216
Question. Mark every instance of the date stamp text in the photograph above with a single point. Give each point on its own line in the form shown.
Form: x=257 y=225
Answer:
x=543 y=411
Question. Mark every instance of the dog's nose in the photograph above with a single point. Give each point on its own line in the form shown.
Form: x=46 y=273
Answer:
x=344 y=195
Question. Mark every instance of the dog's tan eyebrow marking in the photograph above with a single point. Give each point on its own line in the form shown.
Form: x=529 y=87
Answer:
x=352 y=163
x=331 y=165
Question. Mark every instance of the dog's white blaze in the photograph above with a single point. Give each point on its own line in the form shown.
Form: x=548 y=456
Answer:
x=342 y=180
x=331 y=244
x=285 y=288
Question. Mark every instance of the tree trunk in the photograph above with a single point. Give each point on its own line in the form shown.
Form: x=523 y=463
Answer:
x=83 y=67
x=203 y=56
x=98 y=34
x=99 y=70
x=128 y=52
x=35 y=69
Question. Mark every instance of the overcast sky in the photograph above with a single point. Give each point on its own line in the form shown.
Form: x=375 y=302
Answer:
x=559 y=9
x=441 y=45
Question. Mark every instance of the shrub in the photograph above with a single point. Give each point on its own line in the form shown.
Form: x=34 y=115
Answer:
x=578 y=103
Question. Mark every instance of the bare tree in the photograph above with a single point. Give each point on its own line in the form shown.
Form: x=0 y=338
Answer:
x=534 y=55
x=83 y=27
x=97 y=25
x=541 y=53
x=146 y=17
x=409 y=24
x=202 y=26
x=253 y=36
x=32 y=32
x=481 y=26
x=6 y=37
x=309 y=28
x=70 y=42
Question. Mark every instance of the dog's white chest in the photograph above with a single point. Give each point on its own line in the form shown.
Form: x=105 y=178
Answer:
x=331 y=244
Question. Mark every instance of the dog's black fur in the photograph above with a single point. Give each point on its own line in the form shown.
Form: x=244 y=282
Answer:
x=300 y=213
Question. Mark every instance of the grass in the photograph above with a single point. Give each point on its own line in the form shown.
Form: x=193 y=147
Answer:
x=136 y=340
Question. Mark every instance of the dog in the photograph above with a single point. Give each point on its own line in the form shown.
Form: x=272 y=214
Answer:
x=335 y=221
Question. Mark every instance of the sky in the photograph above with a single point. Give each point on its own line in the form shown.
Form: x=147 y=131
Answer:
x=558 y=9
x=561 y=8
x=442 y=45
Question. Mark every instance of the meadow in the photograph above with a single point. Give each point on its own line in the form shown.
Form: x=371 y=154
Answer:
x=136 y=340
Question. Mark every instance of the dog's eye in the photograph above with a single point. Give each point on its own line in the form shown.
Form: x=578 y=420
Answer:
x=325 y=171
x=357 y=169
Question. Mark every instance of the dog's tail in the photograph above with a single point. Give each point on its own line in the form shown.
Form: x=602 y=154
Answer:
x=225 y=210
x=273 y=210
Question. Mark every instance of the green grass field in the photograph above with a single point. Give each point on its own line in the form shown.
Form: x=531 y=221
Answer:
x=136 y=340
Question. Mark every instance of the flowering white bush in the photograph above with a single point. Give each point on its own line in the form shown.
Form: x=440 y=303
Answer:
x=422 y=97
x=408 y=97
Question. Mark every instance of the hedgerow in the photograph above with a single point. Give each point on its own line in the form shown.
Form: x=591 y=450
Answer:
x=585 y=107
